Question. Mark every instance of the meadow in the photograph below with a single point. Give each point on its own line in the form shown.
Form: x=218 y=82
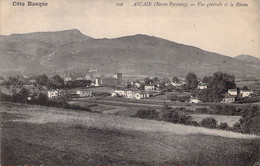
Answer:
x=36 y=135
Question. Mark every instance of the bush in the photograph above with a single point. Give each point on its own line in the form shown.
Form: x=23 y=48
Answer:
x=174 y=98
x=236 y=127
x=223 y=126
x=209 y=122
x=249 y=123
x=172 y=115
x=193 y=123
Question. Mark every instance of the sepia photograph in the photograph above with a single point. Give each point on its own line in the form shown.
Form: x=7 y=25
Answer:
x=130 y=82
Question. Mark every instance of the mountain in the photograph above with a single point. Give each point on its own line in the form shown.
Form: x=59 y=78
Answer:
x=67 y=51
x=248 y=58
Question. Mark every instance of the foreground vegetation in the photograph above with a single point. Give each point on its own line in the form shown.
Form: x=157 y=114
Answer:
x=249 y=123
x=35 y=135
x=42 y=99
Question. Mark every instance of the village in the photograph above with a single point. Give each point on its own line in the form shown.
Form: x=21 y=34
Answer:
x=90 y=86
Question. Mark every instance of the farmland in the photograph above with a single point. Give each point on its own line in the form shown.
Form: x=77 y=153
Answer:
x=36 y=135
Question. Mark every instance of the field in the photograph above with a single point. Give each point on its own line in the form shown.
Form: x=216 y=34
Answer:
x=35 y=135
x=230 y=120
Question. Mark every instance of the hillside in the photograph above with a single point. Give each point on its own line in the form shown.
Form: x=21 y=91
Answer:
x=47 y=52
x=248 y=59
x=35 y=135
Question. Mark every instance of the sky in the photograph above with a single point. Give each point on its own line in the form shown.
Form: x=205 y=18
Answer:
x=226 y=30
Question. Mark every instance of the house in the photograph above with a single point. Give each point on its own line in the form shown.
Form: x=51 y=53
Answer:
x=120 y=92
x=229 y=99
x=55 y=93
x=109 y=81
x=149 y=87
x=84 y=93
x=137 y=84
x=195 y=100
x=98 y=82
x=118 y=77
x=232 y=92
x=202 y=85
x=141 y=95
x=68 y=78
x=129 y=94
x=32 y=81
x=246 y=93
x=176 y=84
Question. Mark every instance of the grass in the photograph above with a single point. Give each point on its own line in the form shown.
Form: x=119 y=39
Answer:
x=33 y=135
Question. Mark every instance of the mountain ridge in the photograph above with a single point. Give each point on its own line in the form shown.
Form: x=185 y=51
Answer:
x=248 y=58
x=138 y=54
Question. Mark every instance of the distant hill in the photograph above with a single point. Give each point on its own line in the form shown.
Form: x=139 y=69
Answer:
x=248 y=58
x=48 y=52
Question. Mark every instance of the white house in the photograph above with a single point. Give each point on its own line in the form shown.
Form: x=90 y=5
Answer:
x=202 y=85
x=68 y=78
x=229 y=99
x=195 y=100
x=141 y=95
x=246 y=93
x=84 y=93
x=55 y=93
x=149 y=87
x=232 y=92
x=98 y=82
x=137 y=84
x=120 y=92
x=176 y=84
x=129 y=94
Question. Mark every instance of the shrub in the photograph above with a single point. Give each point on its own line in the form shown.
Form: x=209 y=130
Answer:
x=172 y=115
x=249 y=123
x=193 y=123
x=236 y=127
x=209 y=122
x=223 y=126
x=174 y=98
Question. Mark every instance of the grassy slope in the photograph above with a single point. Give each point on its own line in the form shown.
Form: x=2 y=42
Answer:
x=38 y=135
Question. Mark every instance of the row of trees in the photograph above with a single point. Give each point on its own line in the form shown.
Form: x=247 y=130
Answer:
x=54 y=82
x=42 y=99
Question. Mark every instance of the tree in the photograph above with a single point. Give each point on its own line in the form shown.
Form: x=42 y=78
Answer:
x=206 y=79
x=58 y=82
x=223 y=126
x=155 y=80
x=191 y=80
x=175 y=79
x=209 y=122
x=148 y=81
x=42 y=80
x=245 y=88
x=222 y=82
x=22 y=96
x=217 y=86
